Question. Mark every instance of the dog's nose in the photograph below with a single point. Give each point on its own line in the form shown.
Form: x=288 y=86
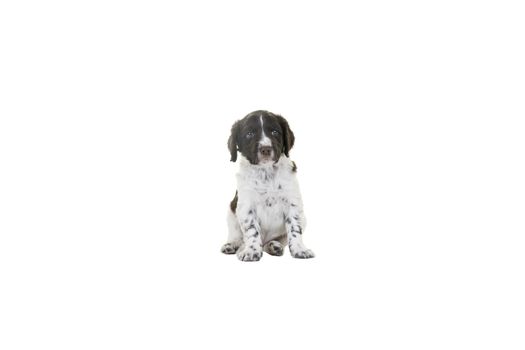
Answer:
x=266 y=150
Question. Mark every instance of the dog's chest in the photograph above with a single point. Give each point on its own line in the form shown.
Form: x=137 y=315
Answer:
x=270 y=197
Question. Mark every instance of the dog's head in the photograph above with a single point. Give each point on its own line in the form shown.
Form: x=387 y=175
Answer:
x=261 y=137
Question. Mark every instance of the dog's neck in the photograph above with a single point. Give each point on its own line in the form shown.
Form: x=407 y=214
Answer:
x=264 y=172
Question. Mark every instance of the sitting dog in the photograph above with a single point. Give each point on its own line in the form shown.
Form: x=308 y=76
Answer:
x=267 y=211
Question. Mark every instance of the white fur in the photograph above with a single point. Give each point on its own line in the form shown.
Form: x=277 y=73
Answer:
x=265 y=140
x=268 y=194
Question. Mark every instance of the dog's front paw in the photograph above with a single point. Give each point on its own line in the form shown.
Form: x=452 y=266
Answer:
x=303 y=254
x=229 y=248
x=249 y=254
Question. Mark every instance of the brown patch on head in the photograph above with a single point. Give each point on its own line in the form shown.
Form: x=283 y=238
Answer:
x=288 y=136
x=244 y=138
x=232 y=141
x=233 y=204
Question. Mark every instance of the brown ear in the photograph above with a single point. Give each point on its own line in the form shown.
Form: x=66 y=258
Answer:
x=232 y=141
x=288 y=135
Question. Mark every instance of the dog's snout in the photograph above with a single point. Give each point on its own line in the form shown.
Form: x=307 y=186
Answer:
x=266 y=150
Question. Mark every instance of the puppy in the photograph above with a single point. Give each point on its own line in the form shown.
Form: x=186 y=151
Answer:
x=267 y=211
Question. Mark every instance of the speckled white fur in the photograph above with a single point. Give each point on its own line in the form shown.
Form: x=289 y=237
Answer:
x=269 y=210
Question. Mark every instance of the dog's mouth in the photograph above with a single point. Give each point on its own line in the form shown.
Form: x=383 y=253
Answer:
x=266 y=159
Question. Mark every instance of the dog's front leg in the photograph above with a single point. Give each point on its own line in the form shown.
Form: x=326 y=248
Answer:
x=294 y=230
x=251 y=250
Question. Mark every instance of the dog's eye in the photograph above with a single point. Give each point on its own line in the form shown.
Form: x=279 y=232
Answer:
x=275 y=132
x=250 y=134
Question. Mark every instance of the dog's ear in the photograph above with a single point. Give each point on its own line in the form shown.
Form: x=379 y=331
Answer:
x=288 y=136
x=232 y=141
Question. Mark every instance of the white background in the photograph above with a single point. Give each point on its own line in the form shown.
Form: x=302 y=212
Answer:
x=115 y=176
